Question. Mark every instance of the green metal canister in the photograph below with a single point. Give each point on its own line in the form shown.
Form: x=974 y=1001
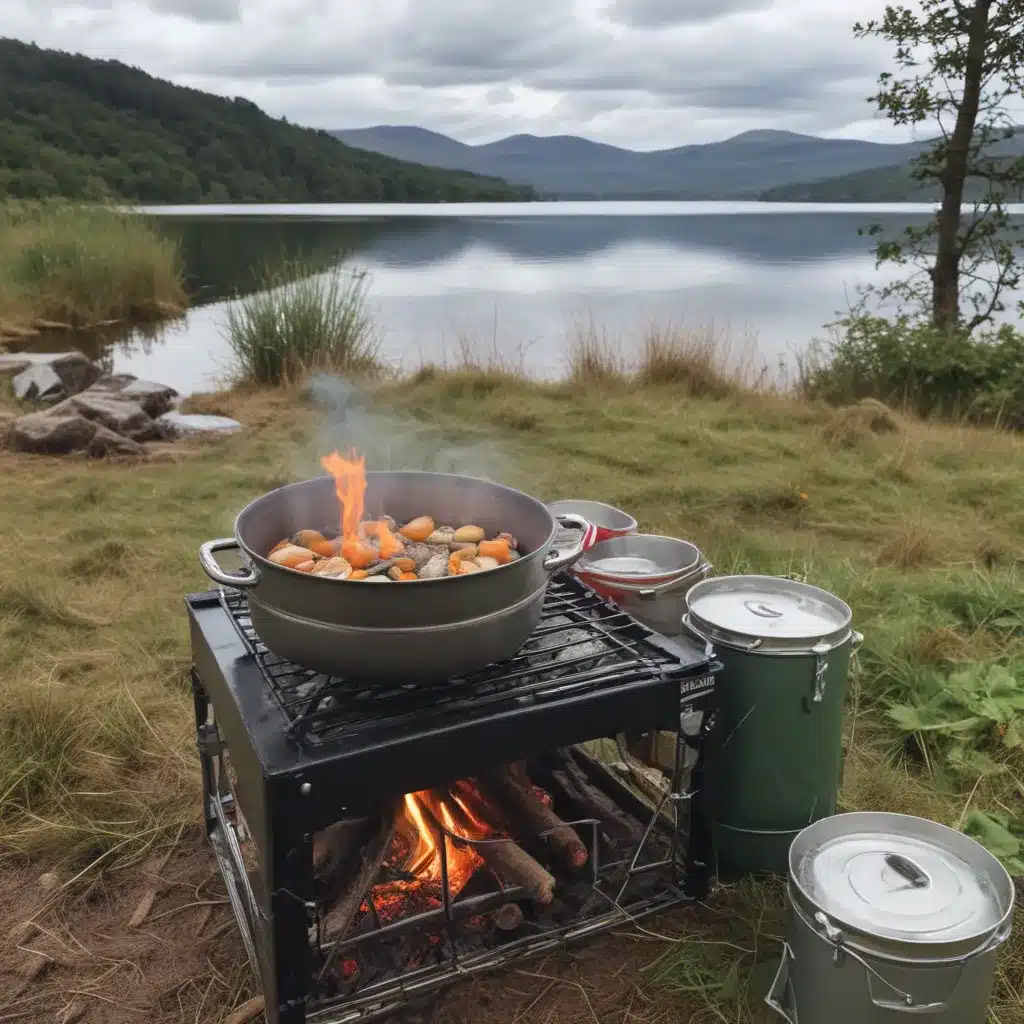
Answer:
x=785 y=649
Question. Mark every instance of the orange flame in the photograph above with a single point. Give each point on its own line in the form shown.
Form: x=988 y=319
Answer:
x=425 y=860
x=350 y=486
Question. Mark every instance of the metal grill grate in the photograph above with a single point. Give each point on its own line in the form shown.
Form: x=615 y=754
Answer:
x=583 y=643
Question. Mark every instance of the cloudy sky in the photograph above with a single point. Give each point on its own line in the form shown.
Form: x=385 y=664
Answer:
x=639 y=73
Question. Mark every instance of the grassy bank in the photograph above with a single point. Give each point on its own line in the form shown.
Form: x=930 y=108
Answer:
x=80 y=265
x=919 y=526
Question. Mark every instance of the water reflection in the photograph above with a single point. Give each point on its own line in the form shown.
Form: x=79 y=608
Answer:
x=518 y=283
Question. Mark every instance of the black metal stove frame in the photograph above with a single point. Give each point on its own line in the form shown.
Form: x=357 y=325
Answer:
x=305 y=752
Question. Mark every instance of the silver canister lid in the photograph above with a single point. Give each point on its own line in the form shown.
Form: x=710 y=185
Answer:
x=769 y=614
x=901 y=879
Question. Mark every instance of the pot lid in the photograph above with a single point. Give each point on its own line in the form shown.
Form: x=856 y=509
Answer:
x=898 y=882
x=768 y=613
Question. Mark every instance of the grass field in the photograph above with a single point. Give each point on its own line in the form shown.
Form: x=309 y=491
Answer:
x=919 y=527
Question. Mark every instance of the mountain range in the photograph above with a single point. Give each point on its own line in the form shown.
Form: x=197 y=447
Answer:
x=763 y=164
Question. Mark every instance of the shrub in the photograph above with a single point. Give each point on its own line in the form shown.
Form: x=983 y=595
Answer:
x=299 y=322
x=977 y=377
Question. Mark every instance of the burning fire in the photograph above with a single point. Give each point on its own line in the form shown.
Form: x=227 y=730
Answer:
x=350 y=485
x=454 y=815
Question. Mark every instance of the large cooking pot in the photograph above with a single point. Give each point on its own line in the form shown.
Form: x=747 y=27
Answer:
x=424 y=631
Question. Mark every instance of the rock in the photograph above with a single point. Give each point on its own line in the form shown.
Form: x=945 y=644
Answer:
x=54 y=433
x=75 y=370
x=115 y=413
x=106 y=443
x=436 y=567
x=111 y=384
x=155 y=399
x=194 y=423
x=38 y=383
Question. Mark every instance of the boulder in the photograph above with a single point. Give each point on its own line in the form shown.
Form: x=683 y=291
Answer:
x=155 y=399
x=106 y=443
x=39 y=383
x=114 y=413
x=75 y=370
x=111 y=384
x=195 y=423
x=51 y=432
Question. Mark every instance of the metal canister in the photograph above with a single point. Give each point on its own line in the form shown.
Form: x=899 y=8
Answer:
x=890 y=915
x=785 y=649
x=646 y=575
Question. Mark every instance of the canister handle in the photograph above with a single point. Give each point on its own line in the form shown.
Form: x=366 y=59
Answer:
x=905 y=1004
x=777 y=992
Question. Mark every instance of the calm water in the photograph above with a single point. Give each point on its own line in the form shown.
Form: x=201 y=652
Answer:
x=517 y=278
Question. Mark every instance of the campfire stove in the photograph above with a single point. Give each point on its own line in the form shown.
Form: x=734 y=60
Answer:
x=302 y=771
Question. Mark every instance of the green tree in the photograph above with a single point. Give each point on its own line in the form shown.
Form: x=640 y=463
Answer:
x=958 y=64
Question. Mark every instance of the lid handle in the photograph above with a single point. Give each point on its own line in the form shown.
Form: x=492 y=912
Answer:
x=907 y=869
x=762 y=610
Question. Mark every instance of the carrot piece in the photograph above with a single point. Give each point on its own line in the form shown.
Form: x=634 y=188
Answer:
x=358 y=574
x=407 y=576
x=496 y=549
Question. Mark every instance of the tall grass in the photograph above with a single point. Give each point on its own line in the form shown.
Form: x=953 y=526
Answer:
x=700 y=362
x=299 y=322
x=83 y=265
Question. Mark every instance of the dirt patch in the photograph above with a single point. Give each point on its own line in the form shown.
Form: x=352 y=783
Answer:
x=80 y=959
x=74 y=956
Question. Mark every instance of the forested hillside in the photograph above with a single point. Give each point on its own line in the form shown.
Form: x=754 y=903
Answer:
x=87 y=129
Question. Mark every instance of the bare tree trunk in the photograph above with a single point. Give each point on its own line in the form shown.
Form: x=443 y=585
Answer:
x=945 y=273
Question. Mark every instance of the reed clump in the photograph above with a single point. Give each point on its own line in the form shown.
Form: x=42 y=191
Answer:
x=299 y=322
x=72 y=265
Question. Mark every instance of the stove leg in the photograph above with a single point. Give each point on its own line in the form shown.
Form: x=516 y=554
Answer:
x=201 y=703
x=291 y=905
x=699 y=852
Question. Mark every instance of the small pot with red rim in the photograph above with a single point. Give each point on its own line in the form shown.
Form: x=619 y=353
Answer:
x=606 y=521
x=646 y=575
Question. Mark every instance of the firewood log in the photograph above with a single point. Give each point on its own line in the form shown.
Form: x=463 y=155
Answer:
x=524 y=807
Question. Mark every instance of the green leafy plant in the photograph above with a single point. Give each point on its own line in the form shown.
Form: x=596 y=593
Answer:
x=963 y=722
x=999 y=835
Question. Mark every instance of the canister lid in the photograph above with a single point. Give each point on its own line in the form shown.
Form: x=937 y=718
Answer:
x=900 y=878
x=767 y=613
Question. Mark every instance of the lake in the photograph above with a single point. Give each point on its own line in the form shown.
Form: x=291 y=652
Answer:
x=516 y=278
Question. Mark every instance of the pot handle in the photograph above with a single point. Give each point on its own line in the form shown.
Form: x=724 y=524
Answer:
x=648 y=592
x=556 y=560
x=216 y=573
x=777 y=992
x=905 y=1003
x=692 y=629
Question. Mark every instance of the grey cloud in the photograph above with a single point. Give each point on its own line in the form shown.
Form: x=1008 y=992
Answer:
x=482 y=68
x=666 y=13
x=210 y=11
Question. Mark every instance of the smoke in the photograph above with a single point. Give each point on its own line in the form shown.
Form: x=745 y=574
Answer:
x=394 y=440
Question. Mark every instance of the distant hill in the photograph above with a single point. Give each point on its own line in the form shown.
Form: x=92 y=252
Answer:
x=570 y=167
x=88 y=129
